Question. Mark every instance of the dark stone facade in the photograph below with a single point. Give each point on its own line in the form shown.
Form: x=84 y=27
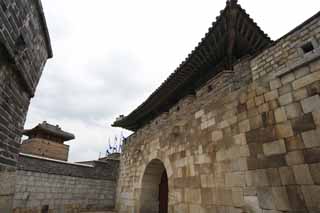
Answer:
x=24 y=50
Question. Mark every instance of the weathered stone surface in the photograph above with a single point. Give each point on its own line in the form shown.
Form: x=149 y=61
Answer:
x=287 y=176
x=284 y=130
x=311 y=138
x=302 y=82
x=257 y=178
x=252 y=204
x=294 y=158
x=67 y=193
x=294 y=143
x=293 y=110
x=316 y=117
x=271 y=95
x=274 y=148
x=296 y=199
x=266 y=198
x=312 y=155
x=281 y=199
x=311 y=104
x=303 y=123
x=285 y=99
x=274 y=177
x=280 y=115
x=275 y=84
x=288 y=78
x=261 y=135
x=302 y=174
x=300 y=94
x=315 y=172
x=311 y=195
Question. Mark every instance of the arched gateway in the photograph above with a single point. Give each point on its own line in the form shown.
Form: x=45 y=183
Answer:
x=154 y=189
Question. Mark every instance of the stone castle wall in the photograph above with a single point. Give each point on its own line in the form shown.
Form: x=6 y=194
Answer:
x=63 y=187
x=248 y=143
x=24 y=49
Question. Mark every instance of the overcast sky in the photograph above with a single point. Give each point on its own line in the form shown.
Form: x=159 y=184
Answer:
x=110 y=55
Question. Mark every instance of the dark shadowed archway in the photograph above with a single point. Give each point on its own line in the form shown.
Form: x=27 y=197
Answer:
x=154 y=189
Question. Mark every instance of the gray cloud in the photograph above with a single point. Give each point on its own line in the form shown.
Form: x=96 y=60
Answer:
x=110 y=55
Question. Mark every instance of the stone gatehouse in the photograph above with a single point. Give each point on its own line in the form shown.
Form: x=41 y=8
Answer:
x=235 y=128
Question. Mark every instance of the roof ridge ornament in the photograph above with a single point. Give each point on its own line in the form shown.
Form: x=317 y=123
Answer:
x=232 y=3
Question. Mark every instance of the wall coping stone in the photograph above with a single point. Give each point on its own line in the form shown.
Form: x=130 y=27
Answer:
x=54 y=160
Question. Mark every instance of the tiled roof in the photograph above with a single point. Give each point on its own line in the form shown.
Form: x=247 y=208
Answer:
x=233 y=35
x=50 y=130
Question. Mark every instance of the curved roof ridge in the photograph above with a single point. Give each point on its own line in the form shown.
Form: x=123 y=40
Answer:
x=209 y=51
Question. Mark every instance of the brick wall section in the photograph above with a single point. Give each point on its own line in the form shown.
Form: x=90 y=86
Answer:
x=72 y=194
x=45 y=148
x=24 y=49
x=244 y=146
x=14 y=102
x=23 y=32
x=64 y=187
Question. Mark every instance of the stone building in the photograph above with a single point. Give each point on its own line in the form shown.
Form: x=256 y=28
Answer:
x=235 y=128
x=24 y=50
x=48 y=141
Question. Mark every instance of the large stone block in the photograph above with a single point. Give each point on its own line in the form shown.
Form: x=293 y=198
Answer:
x=281 y=198
x=244 y=126
x=206 y=195
x=296 y=200
x=316 y=117
x=312 y=155
x=306 y=80
x=274 y=148
x=284 y=130
x=315 y=172
x=311 y=138
x=266 y=198
x=261 y=135
x=287 y=176
x=303 y=123
x=237 y=196
x=311 y=104
x=257 y=178
x=272 y=95
x=280 y=115
x=274 y=177
x=302 y=174
x=285 y=99
x=294 y=143
x=311 y=196
x=293 y=110
x=192 y=195
x=300 y=94
x=275 y=84
x=295 y=158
